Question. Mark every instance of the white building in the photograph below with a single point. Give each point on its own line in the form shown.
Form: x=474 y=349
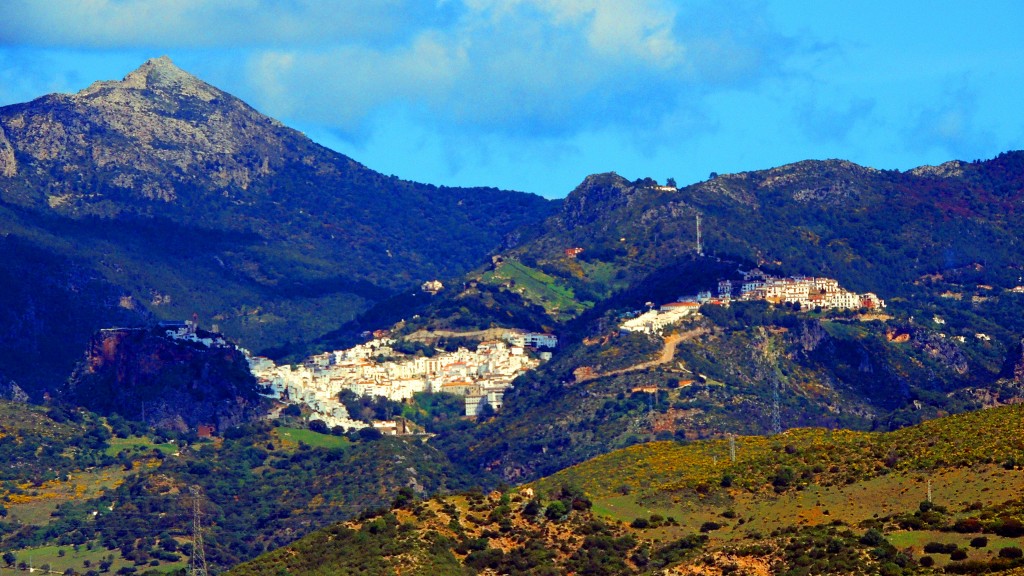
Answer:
x=485 y=372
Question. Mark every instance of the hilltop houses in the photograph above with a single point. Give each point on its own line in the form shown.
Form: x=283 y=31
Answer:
x=655 y=321
x=809 y=292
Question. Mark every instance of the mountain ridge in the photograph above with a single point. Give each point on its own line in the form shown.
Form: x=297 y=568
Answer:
x=187 y=200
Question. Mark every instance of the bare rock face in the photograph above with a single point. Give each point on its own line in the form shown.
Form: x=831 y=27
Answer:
x=10 y=391
x=951 y=169
x=8 y=164
x=597 y=194
x=143 y=374
x=116 y=140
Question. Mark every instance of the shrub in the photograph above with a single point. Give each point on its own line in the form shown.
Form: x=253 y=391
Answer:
x=939 y=548
x=783 y=478
x=967 y=525
x=1009 y=527
x=979 y=542
x=926 y=561
x=873 y=537
x=958 y=554
x=640 y=523
x=556 y=510
x=709 y=526
x=1011 y=552
x=890 y=569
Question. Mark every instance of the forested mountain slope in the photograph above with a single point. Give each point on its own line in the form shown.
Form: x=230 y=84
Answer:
x=184 y=199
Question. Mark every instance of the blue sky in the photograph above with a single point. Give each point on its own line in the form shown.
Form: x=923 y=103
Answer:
x=535 y=95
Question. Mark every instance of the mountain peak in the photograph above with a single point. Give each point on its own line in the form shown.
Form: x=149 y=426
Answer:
x=160 y=74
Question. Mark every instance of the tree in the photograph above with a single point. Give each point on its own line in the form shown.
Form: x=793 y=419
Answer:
x=873 y=537
x=486 y=411
x=556 y=510
x=10 y=558
x=370 y=434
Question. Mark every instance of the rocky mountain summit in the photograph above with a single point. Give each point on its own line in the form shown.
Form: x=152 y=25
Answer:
x=129 y=131
x=186 y=199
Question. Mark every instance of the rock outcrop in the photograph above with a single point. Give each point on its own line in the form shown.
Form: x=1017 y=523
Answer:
x=143 y=374
x=8 y=164
x=10 y=391
x=596 y=195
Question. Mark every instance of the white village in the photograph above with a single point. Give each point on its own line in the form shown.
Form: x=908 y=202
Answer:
x=807 y=292
x=375 y=368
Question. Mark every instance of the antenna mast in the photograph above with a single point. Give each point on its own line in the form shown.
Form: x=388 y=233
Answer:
x=197 y=562
x=700 y=247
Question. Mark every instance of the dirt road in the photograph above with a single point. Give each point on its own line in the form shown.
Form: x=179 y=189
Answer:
x=668 y=352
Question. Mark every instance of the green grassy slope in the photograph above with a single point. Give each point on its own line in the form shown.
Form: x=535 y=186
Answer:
x=808 y=501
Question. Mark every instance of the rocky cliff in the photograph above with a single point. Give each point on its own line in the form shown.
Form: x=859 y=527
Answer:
x=143 y=374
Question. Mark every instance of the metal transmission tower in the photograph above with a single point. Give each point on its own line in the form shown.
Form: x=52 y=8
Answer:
x=197 y=562
x=732 y=447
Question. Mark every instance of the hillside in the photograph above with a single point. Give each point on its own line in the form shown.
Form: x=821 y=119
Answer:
x=79 y=491
x=808 y=501
x=910 y=237
x=181 y=198
x=936 y=243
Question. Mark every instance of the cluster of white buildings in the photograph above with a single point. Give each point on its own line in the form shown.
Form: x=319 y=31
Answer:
x=655 y=321
x=810 y=292
x=186 y=331
x=376 y=369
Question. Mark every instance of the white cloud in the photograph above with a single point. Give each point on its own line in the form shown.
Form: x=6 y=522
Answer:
x=520 y=68
x=207 y=23
x=524 y=67
x=950 y=124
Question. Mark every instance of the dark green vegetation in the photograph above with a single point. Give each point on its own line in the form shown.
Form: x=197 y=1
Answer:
x=746 y=369
x=939 y=244
x=259 y=487
x=49 y=307
x=181 y=198
x=808 y=501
